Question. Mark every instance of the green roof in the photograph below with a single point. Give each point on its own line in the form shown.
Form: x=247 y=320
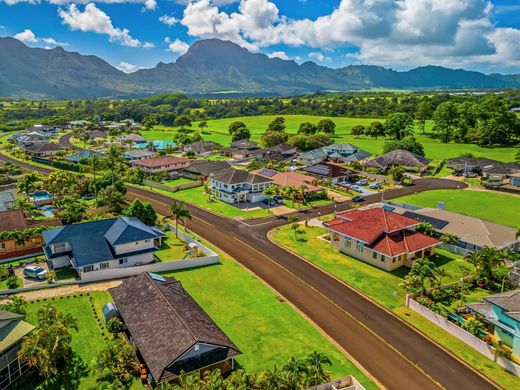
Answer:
x=12 y=329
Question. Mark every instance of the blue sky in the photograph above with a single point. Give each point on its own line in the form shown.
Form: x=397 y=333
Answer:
x=472 y=34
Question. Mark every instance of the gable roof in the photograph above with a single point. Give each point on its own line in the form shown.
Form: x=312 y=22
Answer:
x=237 y=176
x=281 y=148
x=398 y=157
x=486 y=165
x=43 y=148
x=136 y=153
x=206 y=168
x=12 y=329
x=12 y=220
x=92 y=242
x=289 y=179
x=83 y=154
x=327 y=170
x=243 y=144
x=132 y=137
x=165 y=321
x=157 y=162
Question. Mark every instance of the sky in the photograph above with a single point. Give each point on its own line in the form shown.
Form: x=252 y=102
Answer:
x=481 y=35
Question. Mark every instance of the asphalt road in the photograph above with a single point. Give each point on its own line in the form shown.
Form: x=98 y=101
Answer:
x=395 y=354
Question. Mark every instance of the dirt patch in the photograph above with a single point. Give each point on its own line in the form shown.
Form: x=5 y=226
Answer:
x=68 y=290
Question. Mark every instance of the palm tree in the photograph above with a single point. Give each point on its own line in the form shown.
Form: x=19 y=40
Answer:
x=25 y=204
x=27 y=183
x=269 y=191
x=271 y=379
x=179 y=211
x=486 y=261
x=294 y=371
x=316 y=370
x=291 y=192
x=303 y=189
x=441 y=273
x=425 y=271
x=502 y=273
x=114 y=159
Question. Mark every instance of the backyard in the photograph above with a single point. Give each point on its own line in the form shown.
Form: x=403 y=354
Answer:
x=172 y=248
x=491 y=206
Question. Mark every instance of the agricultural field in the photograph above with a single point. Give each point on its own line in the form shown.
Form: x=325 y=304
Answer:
x=217 y=130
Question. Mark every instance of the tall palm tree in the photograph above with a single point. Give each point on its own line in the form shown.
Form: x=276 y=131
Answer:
x=269 y=191
x=303 y=189
x=291 y=192
x=95 y=164
x=316 y=363
x=114 y=159
x=441 y=273
x=27 y=184
x=271 y=379
x=179 y=211
x=294 y=371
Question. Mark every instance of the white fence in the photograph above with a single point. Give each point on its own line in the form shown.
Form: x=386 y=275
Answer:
x=455 y=249
x=117 y=273
x=172 y=188
x=474 y=342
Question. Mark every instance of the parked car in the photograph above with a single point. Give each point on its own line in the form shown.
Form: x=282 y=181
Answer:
x=357 y=199
x=362 y=182
x=375 y=185
x=356 y=188
x=33 y=271
x=277 y=199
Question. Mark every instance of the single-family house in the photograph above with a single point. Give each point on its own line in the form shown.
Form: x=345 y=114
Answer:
x=400 y=157
x=82 y=155
x=44 y=129
x=344 y=153
x=44 y=150
x=202 y=169
x=10 y=247
x=236 y=185
x=329 y=172
x=138 y=154
x=28 y=139
x=97 y=133
x=485 y=167
x=98 y=245
x=171 y=332
x=202 y=148
x=382 y=238
x=290 y=179
x=130 y=139
x=514 y=179
x=346 y=383
x=285 y=150
x=502 y=312
x=241 y=149
x=7 y=200
x=170 y=164
x=13 y=331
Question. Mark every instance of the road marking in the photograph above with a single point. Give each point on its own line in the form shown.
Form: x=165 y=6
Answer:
x=420 y=369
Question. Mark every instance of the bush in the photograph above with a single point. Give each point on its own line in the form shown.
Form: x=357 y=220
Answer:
x=12 y=282
x=503 y=351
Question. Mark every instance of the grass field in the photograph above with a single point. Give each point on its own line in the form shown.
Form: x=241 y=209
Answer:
x=491 y=206
x=172 y=248
x=217 y=131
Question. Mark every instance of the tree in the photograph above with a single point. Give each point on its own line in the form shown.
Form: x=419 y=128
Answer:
x=72 y=210
x=272 y=138
x=270 y=191
x=294 y=371
x=61 y=183
x=134 y=176
x=423 y=113
x=117 y=362
x=376 y=129
x=316 y=373
x=426 y=228
x=202 y=124
x=317 y=141
x=441 y=273
x=47 y=348
x=474 y=326
x=358 y=130
x=307 y=128
x=240 y=134
x=291 y=192
x=299 y=141
x=111 y=196
x=397 y=173
x=444 y=120
x=234 y=126
x=517 y=156
x=27 y=184
x=423 y=271
x=179 y=211
x=114 y=160
x=94 y=163
x=182 y=122
x=399 y=125
x=143 y=211
x=449 y=239
x=502 y=274
x=486 y=261
x=278 y=124
x=326 y=126
x=16 y=304
x=408 y=143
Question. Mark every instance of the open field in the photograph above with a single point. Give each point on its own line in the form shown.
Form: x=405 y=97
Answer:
x=491 y=206
x=217 y=131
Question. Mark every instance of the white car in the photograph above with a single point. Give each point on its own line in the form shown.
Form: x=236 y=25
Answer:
x=35 y=272
x=362 y=182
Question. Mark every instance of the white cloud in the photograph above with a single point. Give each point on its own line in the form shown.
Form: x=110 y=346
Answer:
x=320 y=57
x=26 y=36
x=177 y=46
x=148 y=4
x=168 y=20
x=278 y=54
x=92 y=19
x=127 y=67
x=148 y=45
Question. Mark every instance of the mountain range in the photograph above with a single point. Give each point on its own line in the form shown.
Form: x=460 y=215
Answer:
x=211 y=67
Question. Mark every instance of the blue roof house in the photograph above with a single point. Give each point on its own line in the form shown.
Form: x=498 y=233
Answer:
x=156 y=145
x=84 y=154
x=343 y=153
x=100 y=245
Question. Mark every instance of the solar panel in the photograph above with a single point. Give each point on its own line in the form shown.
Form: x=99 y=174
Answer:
x=437 y=223
x=157 y=277
x=268 y=172
x=319 y=169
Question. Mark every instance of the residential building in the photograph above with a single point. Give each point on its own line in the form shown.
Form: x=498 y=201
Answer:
x=202 y=169
x=170 y=164
x=155 y=145
x=98 y=245
x=236 y=185
x=202 y=148
x=485 y=167
x=7 y=200
x=241 y=149
x=329 y=172
x=44 y=150
x=25 y=140
x=514 y=179
x=44 y=129
x=502 y=313
x=131 y=138
x=138 y=154
x=380 y=237
x=81 y=155
x=285 y=150
x=342 y=153
x=346 y=383
x=290 y=179
x=400 y=157
x=13 y=330
x=10 y=248
x=97 y=133
x=171 y=332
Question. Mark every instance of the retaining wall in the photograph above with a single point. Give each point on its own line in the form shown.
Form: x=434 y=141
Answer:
x=174 y=188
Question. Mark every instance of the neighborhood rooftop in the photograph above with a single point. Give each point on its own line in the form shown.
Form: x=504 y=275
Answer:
x=397 y=157
x=237 y=176
x=160 y=161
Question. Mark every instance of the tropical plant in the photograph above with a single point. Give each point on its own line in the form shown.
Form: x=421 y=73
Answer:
x=16 y=304
x=291 y=192
x=316 y=373
x=426 y=228
x=423 y=271
x=179 y=211
x=486 y=261
x=72 y=209
x=115 y=160
x=474 y=326
x=27 y=184
x=449 y=239
x=144 y=211
x=117 y=362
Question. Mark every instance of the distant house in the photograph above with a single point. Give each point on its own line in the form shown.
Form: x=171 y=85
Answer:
x=97 y=133
x=484 y=166
x=380 y=237
x=7 y=200
x=502 y=312
x=202 y=169
x=25 y=140
x=131 y=138
x=342 y=153
x=345 y=383
x=81 y=155
x=202 y=148
x=236 y=185
x=44 y=129
x=329 y=172
x=44 y=150
x=171 y=332
x=514 y=179
x=169 y=164
x=138 y=154
x=10 y=248
x=398 y=157
x=98 y=245
x=78 y=124
x=241 y=149
x=290 y=179
x=13 y=330
x=285 y=150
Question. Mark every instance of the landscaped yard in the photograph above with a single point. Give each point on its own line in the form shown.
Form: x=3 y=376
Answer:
x=177 y=182
x=66 y=274
x=491 y=206
x=217 y=131
x=172 y=248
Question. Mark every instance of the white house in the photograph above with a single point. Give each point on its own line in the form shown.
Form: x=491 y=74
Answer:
x=236 y=185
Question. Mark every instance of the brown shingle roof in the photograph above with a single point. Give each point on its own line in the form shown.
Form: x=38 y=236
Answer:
x=44 y=148
x=398 y=157
x=156 y=162
x=237 y=176
x=12 y=220
x=165 y=321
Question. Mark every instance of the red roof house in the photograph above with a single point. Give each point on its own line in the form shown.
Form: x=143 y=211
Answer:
x=380 y=237
x=162 y=164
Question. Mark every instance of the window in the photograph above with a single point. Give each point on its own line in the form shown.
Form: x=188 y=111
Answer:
x=2 y=245
x=383 y=258
x=123 y=260
x=393 y=259
x=360 y=247
x=374 y=255
x=58 y=248
x=147 y=241
x=348 y=243
x=104 y=265
x=88 y=268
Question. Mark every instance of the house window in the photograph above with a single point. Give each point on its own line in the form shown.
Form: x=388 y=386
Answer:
x=58 y=248
x=104 y=265
x=360 y=247
x=88 y=268
x=383 y=258
x=374 y=255
x=348 y=242
x=393 y=259
x=2 y=245
x=147 y=241
x=123 y=260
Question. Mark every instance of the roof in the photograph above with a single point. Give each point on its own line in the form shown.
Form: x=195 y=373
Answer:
x=398 y=157
x=12 y=329
x=486 y=165
x=12 y=220
x=97 y=133
x=289 y=179
x=165 y=321
x=138 y=153
x=509 y=301
x=201 y=146
x=157 y=162
x=132 y=137
x=39 y=148
x=243 y=144
x=206 y=168
x=237 y=176
x=82 y=155
x=92 y=242
x=6 y=200
x=281 y=148
x=327 y=170
x=403 y=241
x=344 y=151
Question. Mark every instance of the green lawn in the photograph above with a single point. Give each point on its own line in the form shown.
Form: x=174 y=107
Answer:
x=172 y=248
x=266 y=330
x=66 y=274
x=177 y=182
x=217 y=131
x=491 y=206
x=3 y=283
